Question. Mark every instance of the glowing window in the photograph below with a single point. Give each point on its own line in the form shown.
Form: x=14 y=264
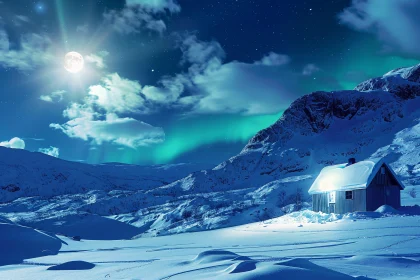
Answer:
x=331 y=197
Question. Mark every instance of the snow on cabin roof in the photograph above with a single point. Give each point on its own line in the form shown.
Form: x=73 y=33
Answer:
x=341 y=177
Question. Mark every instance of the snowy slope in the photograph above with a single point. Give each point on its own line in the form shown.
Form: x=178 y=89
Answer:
x=303 y=245
x=70 y=197
x=380 y=118
x=25 y=174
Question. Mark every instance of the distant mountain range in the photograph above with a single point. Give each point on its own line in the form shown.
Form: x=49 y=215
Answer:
x=380 y=118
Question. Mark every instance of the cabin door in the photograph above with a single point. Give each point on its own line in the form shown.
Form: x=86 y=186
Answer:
x=331 y=202
x=331 y=208
x=381 y=195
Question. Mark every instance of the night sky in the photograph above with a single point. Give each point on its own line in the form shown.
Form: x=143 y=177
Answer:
x=168 y=81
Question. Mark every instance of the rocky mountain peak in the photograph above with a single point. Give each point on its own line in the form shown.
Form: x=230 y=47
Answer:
x=403 y=82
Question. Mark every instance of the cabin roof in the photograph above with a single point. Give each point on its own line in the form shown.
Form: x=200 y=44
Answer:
x=341 y=177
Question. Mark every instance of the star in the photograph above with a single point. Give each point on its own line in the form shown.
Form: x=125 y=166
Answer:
x=40 y=7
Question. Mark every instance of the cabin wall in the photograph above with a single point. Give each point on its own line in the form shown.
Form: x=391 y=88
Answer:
x=378 y=195
x=343 y=205
x=320 y=202
x=383 y=189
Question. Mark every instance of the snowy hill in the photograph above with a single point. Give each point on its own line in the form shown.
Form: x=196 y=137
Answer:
x=26 y=174
x=275 y=169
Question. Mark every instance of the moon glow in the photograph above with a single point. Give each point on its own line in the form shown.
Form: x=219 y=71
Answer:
x=73 y=62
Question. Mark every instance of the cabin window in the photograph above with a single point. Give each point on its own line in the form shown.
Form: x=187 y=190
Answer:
x=349 y=194
x=383 y=170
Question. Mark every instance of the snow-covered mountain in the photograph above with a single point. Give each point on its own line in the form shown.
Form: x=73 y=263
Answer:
x=380 y=118
x=26 y=174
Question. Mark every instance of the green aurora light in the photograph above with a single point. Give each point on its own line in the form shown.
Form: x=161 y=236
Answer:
x=186 y=135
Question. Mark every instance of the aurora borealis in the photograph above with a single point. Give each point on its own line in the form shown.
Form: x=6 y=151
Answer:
x=182 y=81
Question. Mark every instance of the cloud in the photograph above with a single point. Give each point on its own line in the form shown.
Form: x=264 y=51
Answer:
x=274 y=59
x=51 y=151
x=394 y=23
x=77 y=110
x=133 y=19
x=20 y=19
x=211 y=86
x=34 y=139
x=84 y=28
x=118 y=95
x=32 y=52
x=310 y=69
x=199 y=52
x=4 y=41
x=138 y=15
x=53 y=97
x=122 y=131
x=96 y=118
x=156 y=6
x=97 y=59
x=14 y=143
x=249 y=89
x=169 y=89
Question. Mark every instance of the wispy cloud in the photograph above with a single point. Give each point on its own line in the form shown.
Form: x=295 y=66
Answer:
x=97 y=59
x=32 y=52
x=34 y=139
x=138 y=15
x=394 y=23
x=310 y=69
x=156 y=5
x=84 y=28
x=133 y=20
x=20 y=19
x=53 y=97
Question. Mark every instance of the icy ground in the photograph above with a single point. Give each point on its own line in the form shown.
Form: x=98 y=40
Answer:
x=300 y=245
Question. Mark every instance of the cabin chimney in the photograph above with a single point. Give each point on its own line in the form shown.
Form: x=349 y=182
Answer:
x=351 y=161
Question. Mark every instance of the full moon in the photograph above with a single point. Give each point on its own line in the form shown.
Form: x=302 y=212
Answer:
x=73 y=62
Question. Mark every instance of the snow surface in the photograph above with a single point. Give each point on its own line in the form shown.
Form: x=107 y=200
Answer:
x=357 y=246
x=343 y=177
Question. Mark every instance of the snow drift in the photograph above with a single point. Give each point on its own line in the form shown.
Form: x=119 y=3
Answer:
x=19 y=243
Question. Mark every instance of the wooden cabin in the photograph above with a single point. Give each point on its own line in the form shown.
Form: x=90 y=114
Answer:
x=356 y=186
